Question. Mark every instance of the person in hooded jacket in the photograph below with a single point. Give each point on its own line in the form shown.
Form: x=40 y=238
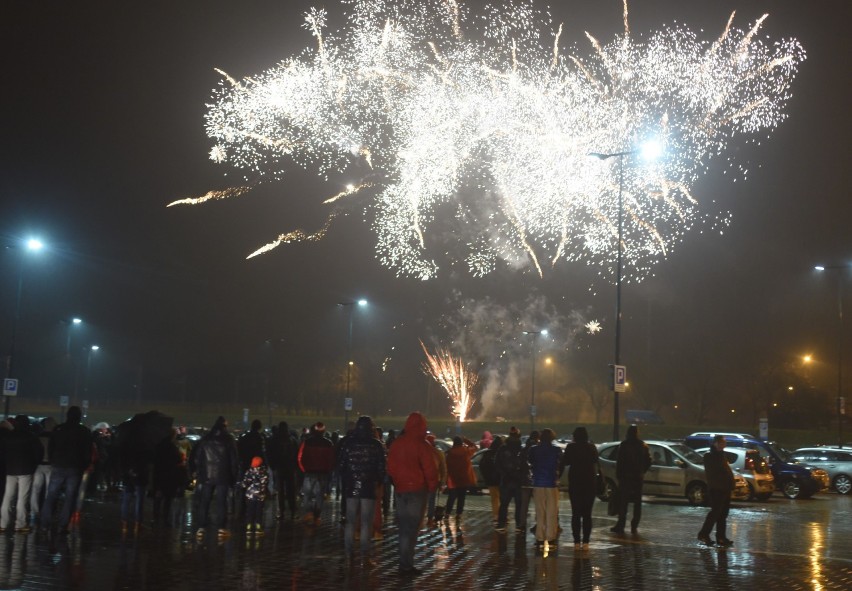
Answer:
x=361 y=465
x=513 y=472
x=70 y=451
x=441 y=463
x=581 y=458
x=488 y=468
x=460 y=474
x=283 y=450
x=632 y=461
x=316 y=460
x=411 y=465
x=23 y=453
x=214 y=461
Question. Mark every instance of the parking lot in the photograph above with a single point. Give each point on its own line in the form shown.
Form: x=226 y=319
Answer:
x=779 y=544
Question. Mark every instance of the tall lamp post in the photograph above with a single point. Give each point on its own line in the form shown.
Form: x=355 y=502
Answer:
x=534 y=334
x=649 y=151
x=32 y=245
x=840 y=402
x=349 y=306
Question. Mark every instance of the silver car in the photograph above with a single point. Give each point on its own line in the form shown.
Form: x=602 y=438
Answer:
x=754 y=469
x=676 y=470
x=836 y=461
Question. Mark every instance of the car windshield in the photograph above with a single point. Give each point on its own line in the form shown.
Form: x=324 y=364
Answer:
x=780 y=452
x=688 y=453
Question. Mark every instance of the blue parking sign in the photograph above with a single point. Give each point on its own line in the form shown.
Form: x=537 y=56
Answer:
x=10 y=387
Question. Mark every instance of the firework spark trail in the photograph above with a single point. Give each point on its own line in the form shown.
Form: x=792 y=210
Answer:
x=475 y=106
x=454 y=377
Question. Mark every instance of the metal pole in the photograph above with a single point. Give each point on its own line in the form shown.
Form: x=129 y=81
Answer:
x=532 y=404
x=348 y=369
x=10 y=362
x=615 y=419
x=840 y=359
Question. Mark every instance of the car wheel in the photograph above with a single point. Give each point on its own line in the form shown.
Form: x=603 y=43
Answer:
x=609 y=487
x=763 y=496
x=843 y=484
x=696 y=493
x=791 y=489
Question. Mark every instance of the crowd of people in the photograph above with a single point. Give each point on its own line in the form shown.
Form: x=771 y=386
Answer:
x=49 y=468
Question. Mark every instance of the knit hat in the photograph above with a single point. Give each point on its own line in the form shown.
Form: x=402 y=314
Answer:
x=256 y=462
x=319 y=427
x=514 y=431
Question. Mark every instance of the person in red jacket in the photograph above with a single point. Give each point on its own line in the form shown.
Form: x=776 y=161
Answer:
x=316 y=460
x=412 y=468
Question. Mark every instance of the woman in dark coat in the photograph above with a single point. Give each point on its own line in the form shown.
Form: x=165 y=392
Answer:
x=169 y=477
x=581 y=459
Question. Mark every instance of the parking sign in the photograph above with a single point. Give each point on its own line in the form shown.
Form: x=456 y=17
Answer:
x=620 y=379
x=10 y=387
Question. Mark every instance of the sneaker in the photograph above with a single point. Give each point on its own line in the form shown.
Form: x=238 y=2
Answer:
x=723 y=542
x=248 y=528
x=577 y=546
x=585 y=547
x=705 y=539
x=258 y=531
x=224 y=533
x=616 y=530
x=500 y=529
x=199 y=533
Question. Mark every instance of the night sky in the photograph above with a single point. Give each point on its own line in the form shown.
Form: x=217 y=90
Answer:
x=103 y=108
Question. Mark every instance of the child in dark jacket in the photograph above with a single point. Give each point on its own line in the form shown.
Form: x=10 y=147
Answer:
x=256 y=482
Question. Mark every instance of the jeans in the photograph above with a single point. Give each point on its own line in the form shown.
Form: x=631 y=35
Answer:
x=285 y=487
x=137 y=491
x=511 y=492
x=17 y=487
x=41 y=480
x=629 y=493
x=409 y=511
x=61 y=478
x=720 y=504
x=313 y=490
x=254 y=512
x=456 y=493
x=581 y=515
x=207 y=493
x=367 y=508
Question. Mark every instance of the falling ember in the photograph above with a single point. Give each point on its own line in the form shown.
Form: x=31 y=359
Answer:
x=454 y=377
x=472 y=128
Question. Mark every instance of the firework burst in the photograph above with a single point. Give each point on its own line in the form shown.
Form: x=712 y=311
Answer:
x=472 y=128
x=457 y=380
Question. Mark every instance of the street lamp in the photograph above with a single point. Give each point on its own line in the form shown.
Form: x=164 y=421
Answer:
x=346 y=404
x=71 y=324
x=648 y=151
x=31 y=245
x=840 y=401
x=534 y=334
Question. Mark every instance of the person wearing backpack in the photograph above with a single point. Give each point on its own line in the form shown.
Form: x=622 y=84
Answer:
x=513 y=471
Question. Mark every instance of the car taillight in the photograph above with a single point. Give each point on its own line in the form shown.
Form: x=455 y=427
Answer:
x=749 y=464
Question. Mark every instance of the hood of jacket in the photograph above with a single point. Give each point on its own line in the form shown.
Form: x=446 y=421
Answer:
x=415 y=425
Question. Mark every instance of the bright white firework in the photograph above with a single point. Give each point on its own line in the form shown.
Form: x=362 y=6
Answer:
x=476 y=127
x=457 y=380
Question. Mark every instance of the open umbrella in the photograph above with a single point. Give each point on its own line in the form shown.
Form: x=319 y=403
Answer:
x=144 y=431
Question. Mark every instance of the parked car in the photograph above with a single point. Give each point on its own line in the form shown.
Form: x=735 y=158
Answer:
x=836 y=461
x=794 y=479
x=676 y=470
x=753 y=467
